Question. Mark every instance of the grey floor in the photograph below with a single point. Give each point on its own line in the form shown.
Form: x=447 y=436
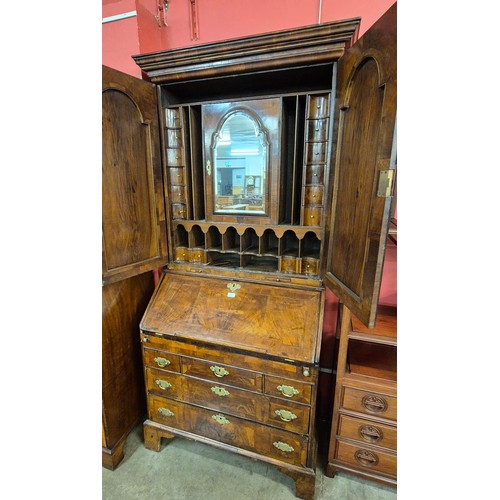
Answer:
x=185 y=470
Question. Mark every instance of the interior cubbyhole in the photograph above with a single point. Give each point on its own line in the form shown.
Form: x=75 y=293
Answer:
x=196 y=237
x=269 y=243
x=213 y=239
x=258 y=263
x=310 y=246
x=223 y=260
x=289 y=244
x=231 y=240
x=180 y=236
x=372 y=359
x=250 y=241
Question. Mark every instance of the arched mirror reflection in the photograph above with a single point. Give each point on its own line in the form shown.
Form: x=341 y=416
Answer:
x=241 y=152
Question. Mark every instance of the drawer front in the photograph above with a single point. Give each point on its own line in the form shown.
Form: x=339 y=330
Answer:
x=312 y=216
x=179 y=211
x=173 y=118
x=251 y=436
x=176 y=176
x=160 y=359
x=174 y=138
x=371 y=403
x=310 y=266
x=197 y=255
x=316 y=152
x=181 y=254
x=314 y=174
x=367 y=458
x=288 y=264
x=288 y=389
x=221 y=373
x=317 y=130
x=177 y=194
x=319 y=106
x=287 y=415
x=313 y=195
x=167 y=384
x=368 y=432
x=175 y=157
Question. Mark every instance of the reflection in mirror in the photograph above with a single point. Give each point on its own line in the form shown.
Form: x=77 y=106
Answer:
x=240 y=160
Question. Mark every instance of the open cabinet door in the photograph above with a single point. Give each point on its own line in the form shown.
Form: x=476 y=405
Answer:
x=365 y=158
x=133 y=206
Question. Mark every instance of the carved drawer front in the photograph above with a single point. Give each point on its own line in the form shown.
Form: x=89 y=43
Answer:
x=181 y=254
x=366 y=457
x=369 y=432
x=310 y=266
x=315 y=152
x=161 y=359
x=224 y=374
x=175 y=157
x=197 y=255
x=288 y=389
x=174 y=138
x=176 y=176
x=370 y=403
x=225 y=428
x=288 y=264
x=314 y=174
x=312 y=216
x=313 y=195
x=173 y=118
x=179 y=211
x=177 y=194
x=319 y=106
x=317 y=130
x=293 y=417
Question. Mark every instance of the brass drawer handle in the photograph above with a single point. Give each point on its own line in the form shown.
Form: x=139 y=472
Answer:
x=366 y=458
x=220 y=419
x=370 y=433
x=163 y=384
x=220 y=391
x=374 y=404
x=219 y=371
x=283 y=446
x=285 y=415
x=287 y=390
x=162 y=362
x=165 y=412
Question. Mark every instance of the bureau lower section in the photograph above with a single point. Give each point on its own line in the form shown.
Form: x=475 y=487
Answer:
x=257 y=407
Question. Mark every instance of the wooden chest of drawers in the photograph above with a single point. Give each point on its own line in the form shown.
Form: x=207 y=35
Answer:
x=205 y=381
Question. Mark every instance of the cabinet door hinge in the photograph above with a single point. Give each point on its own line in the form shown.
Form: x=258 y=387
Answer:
x=385 y=179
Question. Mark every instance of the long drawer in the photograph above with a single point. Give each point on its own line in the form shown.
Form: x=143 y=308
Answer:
x=367 y=431
x=234 y=431
x=232 y=400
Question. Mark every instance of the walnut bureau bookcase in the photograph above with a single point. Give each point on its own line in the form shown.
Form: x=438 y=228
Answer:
x=268 y=163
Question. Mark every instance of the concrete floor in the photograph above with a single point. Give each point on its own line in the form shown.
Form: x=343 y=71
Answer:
x=185 y=470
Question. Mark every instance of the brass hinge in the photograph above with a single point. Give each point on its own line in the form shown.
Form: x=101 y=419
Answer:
x=385 y=179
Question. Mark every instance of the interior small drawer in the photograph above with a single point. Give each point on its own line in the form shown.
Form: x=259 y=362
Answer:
x=181 y=254
x=319 y=106
x=288 y=389
x=313 y=195
x=288 y=264
x=160 y=359
x=179 y=211
x=316 y=152
x=177 y=194
x=197 y=255
x=371 y=403
x=312 y=216
x=173 y=118
x=310 y=266
x=174 y=138
x=368 y=432
x=317 y=130
x=175 y=157
x=176 y=176
x=366 y=458
x=314 y=174
x=225 y=374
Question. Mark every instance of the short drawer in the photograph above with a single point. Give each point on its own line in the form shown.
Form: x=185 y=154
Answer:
x=319 y=106
x=175 y=157
x=223 y=373
x=288 y=389
x=197 y=255
x=317 y=130
x=181 y=254
x=173 y=118
x=176 y=176
x=313 y=195
x=314 y=174
x=310 y=266
x=312 y=216
x=179 y=211
x=160 y=359
x=366 y=458
x=293 y=417
x=368 y=432
x=174 y=138
x=177 y=194
x=166 y=383
x=369 y=402
x=251 y=436
x=288 y=264
x=316 y=152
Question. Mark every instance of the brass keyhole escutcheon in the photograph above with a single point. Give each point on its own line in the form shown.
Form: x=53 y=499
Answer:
x=220 y=419
x=220 y=391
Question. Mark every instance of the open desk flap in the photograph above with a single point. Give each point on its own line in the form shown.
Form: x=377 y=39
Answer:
x=259 y=318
